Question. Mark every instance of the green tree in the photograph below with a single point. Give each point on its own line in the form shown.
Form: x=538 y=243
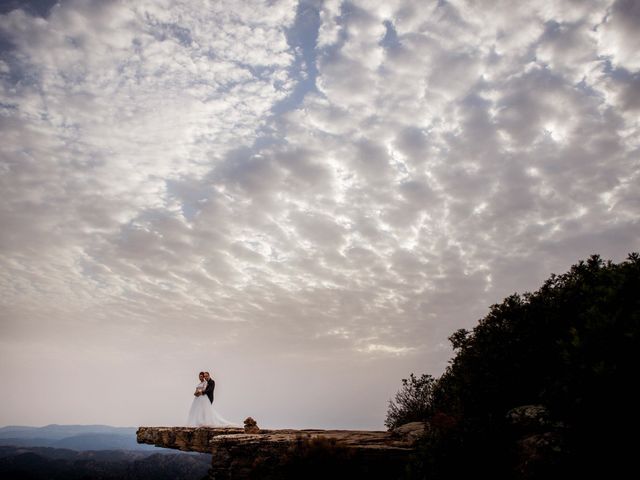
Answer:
x=573 y=346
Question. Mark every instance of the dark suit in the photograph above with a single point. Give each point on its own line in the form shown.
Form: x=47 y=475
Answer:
x=211 y=385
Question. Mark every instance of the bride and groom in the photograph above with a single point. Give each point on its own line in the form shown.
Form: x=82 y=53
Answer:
x=202 y=413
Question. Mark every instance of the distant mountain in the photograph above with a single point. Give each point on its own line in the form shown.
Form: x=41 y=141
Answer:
x=67 y=454
x=101 y=441
x=58 y=432
x=36 y=463
x=76 y=437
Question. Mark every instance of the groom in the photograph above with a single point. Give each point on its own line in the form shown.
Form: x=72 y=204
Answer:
x=210 y=386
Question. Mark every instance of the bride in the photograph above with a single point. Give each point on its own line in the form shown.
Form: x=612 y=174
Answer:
x=202 y=413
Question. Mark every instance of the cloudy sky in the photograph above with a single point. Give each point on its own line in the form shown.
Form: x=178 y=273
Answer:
x=305 y=198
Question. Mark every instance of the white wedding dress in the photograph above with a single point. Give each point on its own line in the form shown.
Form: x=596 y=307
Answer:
x=202 y=413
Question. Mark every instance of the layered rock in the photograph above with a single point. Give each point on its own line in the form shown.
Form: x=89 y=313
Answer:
x=237 y=454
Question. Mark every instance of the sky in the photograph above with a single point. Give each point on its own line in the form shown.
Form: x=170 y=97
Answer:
x=304 y=198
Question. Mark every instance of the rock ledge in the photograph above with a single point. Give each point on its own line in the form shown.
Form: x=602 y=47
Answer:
x=235 y=453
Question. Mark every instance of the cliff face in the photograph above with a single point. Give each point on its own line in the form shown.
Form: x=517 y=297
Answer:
x=268 y=453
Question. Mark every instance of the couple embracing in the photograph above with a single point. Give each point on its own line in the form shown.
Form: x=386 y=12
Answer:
x=202 y=413
x=209 y=386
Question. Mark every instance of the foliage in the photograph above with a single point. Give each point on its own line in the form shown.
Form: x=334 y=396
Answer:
x=412 y=403
x=43 y=463
x=572 y=346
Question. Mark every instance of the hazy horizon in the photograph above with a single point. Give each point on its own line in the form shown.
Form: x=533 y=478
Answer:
x=304 y=198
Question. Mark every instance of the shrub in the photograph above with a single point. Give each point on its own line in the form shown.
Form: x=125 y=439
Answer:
x=413 y=401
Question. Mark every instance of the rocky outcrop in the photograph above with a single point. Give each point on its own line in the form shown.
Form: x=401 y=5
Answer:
x=539 y=441
x=239 y=455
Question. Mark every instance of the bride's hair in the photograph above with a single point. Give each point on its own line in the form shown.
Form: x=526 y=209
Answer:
x=201 y=373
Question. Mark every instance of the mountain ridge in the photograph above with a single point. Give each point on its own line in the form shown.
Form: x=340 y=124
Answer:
x=76 y=437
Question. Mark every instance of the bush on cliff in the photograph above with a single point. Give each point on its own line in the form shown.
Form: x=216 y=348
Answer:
x=571 y=347
x=412 y=403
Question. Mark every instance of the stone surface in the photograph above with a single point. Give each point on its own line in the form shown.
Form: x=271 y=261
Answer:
x=235 y=454
x=539 y=455
x=410 y=432
x=529 y=418
x=540 y=442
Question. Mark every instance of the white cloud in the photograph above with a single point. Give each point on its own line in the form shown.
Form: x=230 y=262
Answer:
x=619 y=36
x=155 y=203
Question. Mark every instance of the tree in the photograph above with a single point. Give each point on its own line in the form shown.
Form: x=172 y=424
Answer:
x=573 y=347
x=413 y=401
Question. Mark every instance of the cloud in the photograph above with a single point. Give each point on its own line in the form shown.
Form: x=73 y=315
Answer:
x=313 y=184
x=618 y=34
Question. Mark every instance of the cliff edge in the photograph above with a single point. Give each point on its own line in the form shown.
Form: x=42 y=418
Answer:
x=237 y=454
